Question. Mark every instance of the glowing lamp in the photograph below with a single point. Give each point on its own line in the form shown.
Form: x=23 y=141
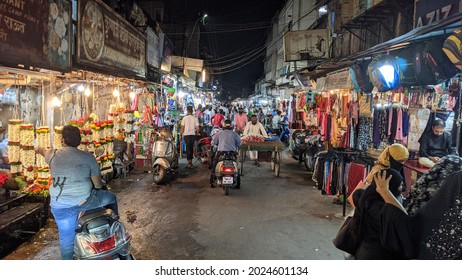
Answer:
x=87 y=92
x=388 y=74
x=56 y=102
x=116 y=93
x=80 y=88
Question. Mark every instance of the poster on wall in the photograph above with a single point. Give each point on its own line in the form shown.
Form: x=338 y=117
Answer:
x=36 y=33
x=107 y=42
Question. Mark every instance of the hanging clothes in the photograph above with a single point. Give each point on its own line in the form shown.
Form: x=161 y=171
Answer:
x=376 y=132
x=399 y=125
x=364 y=133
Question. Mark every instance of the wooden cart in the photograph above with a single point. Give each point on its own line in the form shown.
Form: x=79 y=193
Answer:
x=275 y=147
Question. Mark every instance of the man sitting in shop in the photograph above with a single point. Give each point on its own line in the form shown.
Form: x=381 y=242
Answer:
x=435 y=144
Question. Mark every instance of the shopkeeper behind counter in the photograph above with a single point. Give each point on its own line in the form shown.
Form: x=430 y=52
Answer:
x=435 y=144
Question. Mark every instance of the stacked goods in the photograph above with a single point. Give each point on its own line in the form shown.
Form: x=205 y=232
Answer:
x=119 y=125
x=43 y=141
x=253 y=138
x=27 y=153
x=58 y=137
x=14 y=146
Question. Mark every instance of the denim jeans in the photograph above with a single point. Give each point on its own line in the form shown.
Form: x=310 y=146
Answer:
x=66 y=218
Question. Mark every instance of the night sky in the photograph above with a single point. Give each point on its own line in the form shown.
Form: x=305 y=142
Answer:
x=224 y=43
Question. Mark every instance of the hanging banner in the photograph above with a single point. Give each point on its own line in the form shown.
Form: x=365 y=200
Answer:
x=36 y=33
x=306 y=45
x=152 y=48
x=167 y=52
x=430 y=11
x=107 y=42
x=338 y=80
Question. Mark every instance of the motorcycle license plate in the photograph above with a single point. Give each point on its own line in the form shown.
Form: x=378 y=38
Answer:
x=227 y=180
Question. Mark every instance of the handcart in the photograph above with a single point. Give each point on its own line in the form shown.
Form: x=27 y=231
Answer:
x=275 y=147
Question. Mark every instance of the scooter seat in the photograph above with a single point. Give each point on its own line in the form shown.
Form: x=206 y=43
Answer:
x=92 y=214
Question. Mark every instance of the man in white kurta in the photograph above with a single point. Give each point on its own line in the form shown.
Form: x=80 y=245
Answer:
x=254 y=127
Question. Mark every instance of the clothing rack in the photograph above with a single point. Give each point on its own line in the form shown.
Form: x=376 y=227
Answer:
x=344 y=191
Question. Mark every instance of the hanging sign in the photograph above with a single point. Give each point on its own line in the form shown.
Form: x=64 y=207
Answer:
x=429 y=11
x=338 y=80
x=108 y=42
x=152 y=54
x=36 y=33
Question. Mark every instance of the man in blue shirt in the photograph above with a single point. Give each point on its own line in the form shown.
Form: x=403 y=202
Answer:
x=227 y=141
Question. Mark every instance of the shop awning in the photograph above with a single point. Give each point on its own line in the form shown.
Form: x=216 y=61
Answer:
x=443 y=27
x=440 y=28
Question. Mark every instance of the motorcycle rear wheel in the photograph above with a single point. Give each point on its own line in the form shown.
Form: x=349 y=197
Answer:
x=159 y=174
x=226 y=187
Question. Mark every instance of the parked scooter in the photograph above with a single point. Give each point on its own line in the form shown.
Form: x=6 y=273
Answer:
x=122 y=164
x=100 y=235
x=164 y=156
x=312 y=149
x=226 y=173
x=306 y=147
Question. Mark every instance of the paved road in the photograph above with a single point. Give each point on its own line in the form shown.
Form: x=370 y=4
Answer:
x=274 y=218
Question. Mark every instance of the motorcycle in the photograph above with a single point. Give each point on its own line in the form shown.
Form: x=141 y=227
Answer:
x=226 y=173
x=203 y=150
x=306 y=147
x=100 y=235
x=122 y=164
x=312 y=148
x=164 y=156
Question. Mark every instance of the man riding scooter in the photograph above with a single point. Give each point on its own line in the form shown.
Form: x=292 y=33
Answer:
x=227 y=141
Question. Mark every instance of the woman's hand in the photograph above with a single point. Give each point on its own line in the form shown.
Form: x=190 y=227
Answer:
x=381 y=182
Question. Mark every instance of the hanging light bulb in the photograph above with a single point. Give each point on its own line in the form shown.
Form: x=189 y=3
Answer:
x=80 y=88
x=87 y=91
x=116 y=93
x=56 y=102
x=132 y=94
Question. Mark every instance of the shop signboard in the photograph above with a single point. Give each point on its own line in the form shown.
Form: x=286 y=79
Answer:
x=338 y=80
x=309 y=44
x=36 y=33
x=107 y=42
x=152 y=48
x=429 y=11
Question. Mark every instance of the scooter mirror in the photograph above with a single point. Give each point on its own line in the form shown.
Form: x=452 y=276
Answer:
x=99 y=151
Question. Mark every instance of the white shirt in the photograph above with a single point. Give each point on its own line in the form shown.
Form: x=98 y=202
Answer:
x=255 y=129
x=276 y=120
x=190 y=123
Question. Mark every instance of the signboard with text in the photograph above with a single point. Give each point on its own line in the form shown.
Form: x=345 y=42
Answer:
x=306 y=45
x=152 y=54
x=108 y=42
x=36 y=33
x=430 y=11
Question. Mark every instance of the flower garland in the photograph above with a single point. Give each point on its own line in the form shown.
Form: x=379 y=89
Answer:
x=27 y=152
x=43 y=141
x=14 y=146
x=58 y=137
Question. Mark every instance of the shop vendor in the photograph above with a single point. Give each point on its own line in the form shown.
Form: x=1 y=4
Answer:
x=435 y=144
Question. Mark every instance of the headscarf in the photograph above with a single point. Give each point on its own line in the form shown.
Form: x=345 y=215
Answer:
x=389 y=158
x=428 y=184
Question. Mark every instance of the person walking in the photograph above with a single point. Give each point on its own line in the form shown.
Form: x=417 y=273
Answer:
x=240 y=121
x=254 y=127
x=189 y=129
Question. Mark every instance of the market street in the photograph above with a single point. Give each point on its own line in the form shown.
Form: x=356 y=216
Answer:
x=268 y=218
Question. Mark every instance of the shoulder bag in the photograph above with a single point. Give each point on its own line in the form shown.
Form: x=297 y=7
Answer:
x=348 y=237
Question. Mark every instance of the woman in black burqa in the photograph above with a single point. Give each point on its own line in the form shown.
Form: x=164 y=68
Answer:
x=369 y=207
x=434 y=232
